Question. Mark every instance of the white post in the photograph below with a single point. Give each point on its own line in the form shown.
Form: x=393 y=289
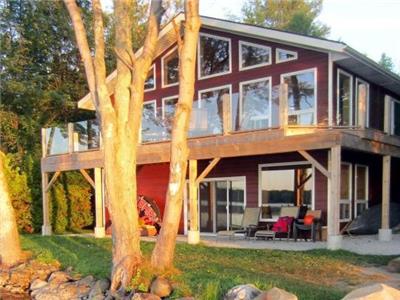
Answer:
x=99 y=230
x=46 y=227
x=385 y=233
x=334 y=236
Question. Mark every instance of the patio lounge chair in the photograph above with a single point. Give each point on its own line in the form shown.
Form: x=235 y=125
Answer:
x=248 y=226
x=292 y=212
x=313 y=227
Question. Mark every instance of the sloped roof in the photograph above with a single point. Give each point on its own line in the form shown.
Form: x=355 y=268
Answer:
x=342 y=54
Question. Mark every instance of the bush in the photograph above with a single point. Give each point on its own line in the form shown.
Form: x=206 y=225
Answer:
x=70 y=203
x=19 y=192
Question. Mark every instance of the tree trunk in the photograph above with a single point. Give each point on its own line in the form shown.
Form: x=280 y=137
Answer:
x=163 y=253
x=10 y=249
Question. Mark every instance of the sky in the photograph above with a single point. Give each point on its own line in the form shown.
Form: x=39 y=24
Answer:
x=369 y=26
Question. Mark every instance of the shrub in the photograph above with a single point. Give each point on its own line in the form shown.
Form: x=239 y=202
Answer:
x=19 y=192
x=70 y=203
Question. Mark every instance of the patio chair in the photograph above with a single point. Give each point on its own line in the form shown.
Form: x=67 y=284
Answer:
x=248 y=225
x=286 y=217
x=311 y=223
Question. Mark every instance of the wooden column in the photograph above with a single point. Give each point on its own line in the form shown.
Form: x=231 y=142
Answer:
x=334 y=237
x=46 y=227
x=362 y=106
x=226 y=114
x=71 y=137
x=193 y=233
x=283 y=106
x=99 y=230
x=387 y=115
x=385 y=233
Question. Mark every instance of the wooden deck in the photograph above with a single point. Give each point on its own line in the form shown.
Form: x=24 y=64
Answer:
x=242 y=144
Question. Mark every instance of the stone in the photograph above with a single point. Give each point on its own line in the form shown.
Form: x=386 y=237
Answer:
x=186 y=298
x=161 y=287
x=88 y=280
x=276 y=294
x=242 y=292
x=145 y=296
x=394 y=265
x=377 y=291
x=99 y=288
x=59 y=277
x=37 y=284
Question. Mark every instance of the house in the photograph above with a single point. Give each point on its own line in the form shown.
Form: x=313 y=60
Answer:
x=278 y=119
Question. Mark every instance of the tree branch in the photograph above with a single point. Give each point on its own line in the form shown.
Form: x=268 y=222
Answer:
x=179 y=40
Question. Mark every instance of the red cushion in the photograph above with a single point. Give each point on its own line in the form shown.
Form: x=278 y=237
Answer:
x=308 y=219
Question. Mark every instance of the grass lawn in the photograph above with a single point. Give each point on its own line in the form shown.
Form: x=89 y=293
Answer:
x=206 y=273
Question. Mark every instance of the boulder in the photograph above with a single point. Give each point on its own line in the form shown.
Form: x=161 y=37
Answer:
x=99 y=288
x=37 y=284
x=377 y=291
x=242 y=292
x=59 y=277
x=161 y=287
x=276 y=294
x=394 y=265
x=145 y=296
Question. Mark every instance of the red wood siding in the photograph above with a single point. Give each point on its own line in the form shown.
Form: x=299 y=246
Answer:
x=306 y=59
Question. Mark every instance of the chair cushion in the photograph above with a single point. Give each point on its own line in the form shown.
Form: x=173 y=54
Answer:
x=283 y=224
x=308 y=219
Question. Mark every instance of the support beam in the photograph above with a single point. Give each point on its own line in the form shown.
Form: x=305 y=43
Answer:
x=207 y=170
x=88 y=178
x=315 y=163
x=53 y=179
x=194 y=232
x=334 y=237
x=46 y=227
x=99 y=230
x=385 y=233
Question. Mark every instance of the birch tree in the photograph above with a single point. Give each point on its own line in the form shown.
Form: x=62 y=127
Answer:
x=163 y=253
x=10 y=249
x=120 y=121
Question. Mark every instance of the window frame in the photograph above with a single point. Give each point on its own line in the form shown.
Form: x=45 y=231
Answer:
x=269 y=62
x=350 y=192
x=163 y=85
x=362 y=81
x=351 y=121
x=229 y=40
x=393 y=102
x=283 y=164
x=269 y=78
x=315 y=70
x=163 y=100
x=279 y=61
x=155 y=79
x=356 y=201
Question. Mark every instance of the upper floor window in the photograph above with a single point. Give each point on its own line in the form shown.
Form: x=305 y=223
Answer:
x=169 y=105
x=395 y=117
x=150 y=83
x=255 y=104
x=215 y=57
x=253 y=55
x=344 y=108
x=362 y=103
x=170 y=68
x=302 y=97
x=283 y=55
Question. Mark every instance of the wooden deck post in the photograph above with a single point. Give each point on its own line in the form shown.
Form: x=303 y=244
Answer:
x=46 y=227
x=387 y=115
x=71 y=139
x=99 y=230
x=226 y=114
x=283 y=106
x=385 y=233
x=362 y=107
x=194 y=232
x=334 y=237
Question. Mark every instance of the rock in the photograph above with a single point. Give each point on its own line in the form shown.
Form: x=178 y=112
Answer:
x=377 y=291
x=59 y=277
x=242 y=292
x=145 y=296
x=186 y=298
x=394 y=265
x=4 y=277
x=99 y=288
x=276 y=294
x=88 y=280
x=161 y=287
x=37 y=284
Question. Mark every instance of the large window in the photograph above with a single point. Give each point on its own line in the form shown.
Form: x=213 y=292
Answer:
x=345 y=192
x=255 y=104
x=215 y=57
x=253 y=55
x=362 y=98
x=395 y=117
x=150 y=83
x=284 y=185
x=361 y=190
x=344 y=111
x=302 y=97
x=170 y=68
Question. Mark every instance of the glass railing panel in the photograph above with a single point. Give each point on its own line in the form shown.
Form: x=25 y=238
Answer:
x=86 y=135
x=155 y=126
x=207 y=117
x=57 y=140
